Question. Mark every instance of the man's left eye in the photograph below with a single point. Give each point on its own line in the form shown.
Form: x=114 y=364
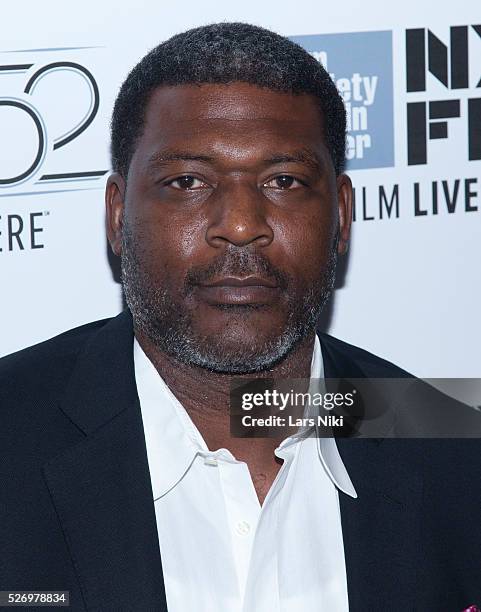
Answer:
x=187 y=183
x=284 y=181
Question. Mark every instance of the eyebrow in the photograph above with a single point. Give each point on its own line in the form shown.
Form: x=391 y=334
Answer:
x=161 y=158
x=305 y=156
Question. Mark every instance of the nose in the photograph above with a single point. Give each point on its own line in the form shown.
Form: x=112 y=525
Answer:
x=238 y=216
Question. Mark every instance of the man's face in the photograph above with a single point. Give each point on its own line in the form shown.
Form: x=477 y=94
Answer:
x=229 y=224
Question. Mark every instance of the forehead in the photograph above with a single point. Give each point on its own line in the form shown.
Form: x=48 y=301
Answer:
x=229 y=117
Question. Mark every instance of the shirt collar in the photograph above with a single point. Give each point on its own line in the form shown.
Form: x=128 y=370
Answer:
x=327 y=447
x=173 y=441
x=171 y=438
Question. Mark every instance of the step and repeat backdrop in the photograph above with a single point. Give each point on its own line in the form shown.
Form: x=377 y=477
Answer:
x=410 y=76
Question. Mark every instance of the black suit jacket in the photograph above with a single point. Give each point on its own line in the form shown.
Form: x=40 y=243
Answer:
x=77 y=509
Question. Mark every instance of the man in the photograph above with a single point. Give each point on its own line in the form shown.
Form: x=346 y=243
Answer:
x=121 y=482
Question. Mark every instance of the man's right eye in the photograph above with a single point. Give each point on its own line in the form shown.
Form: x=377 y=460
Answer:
x=187 y=183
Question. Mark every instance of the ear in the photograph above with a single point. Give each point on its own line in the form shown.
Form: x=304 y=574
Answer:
x=114 y=209
x=344 y=198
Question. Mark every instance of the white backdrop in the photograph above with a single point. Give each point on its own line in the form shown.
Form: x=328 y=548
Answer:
x=411 y=292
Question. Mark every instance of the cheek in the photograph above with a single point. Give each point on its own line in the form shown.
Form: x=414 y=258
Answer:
x=168 y=244
x=190 y=238
x=306 y=242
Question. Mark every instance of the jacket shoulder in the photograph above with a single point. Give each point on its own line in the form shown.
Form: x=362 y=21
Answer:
x=354 y=358
x=46 y=364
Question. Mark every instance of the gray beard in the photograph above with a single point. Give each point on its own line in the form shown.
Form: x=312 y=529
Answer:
x=170 y=329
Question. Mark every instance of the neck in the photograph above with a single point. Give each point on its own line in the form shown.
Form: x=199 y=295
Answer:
x=205 y=394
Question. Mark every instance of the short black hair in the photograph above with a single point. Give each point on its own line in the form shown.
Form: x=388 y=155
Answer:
x=225 y=53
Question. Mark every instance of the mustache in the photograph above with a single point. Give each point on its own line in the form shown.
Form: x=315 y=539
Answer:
x=238 y=262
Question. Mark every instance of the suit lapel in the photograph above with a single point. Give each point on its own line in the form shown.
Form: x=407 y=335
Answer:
x=381 y=528
x=101 y=487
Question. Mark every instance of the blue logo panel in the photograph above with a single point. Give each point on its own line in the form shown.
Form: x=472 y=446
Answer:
x=360 y=64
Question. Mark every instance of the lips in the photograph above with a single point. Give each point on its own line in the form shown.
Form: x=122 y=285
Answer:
x=247 y=281
x=231 y=290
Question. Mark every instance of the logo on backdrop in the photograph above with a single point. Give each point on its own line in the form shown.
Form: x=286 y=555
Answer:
x=453 y=69
x=49 y=100
x=360 y=64
x=47 y=103
x=443 y=81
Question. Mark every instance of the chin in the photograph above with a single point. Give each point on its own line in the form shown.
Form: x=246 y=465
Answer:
x=239 y=350
x=250 y=336
x=246 y=321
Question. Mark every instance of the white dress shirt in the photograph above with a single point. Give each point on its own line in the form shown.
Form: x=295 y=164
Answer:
x=220 y=550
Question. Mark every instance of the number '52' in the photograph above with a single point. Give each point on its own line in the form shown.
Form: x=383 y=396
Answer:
x=34 y=115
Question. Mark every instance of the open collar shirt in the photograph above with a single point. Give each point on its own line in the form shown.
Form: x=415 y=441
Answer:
x=221 y=550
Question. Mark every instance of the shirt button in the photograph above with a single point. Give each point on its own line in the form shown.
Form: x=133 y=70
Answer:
x=242 y=528
x=210 y=461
